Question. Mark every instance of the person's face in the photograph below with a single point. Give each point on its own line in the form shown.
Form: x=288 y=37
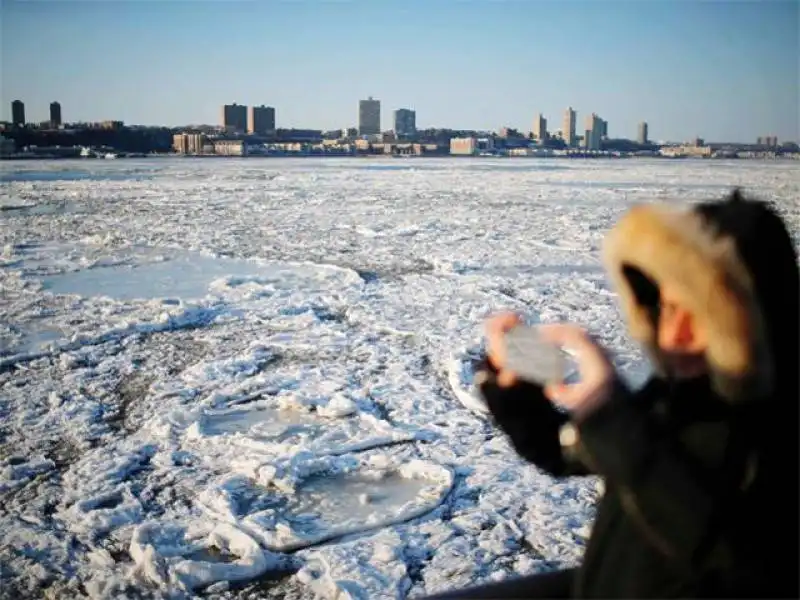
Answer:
x=682 y=339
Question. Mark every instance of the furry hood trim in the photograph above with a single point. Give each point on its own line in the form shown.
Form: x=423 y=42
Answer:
x=658 y=243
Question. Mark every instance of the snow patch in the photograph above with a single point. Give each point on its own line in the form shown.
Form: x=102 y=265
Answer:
x=365 y=569
x=16 y=471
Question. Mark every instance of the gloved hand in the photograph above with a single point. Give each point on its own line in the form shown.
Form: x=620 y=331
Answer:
x=594 y=368
x=596 y=372
x=496 y=327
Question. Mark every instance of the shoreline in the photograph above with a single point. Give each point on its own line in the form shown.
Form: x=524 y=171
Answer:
x=575 y=156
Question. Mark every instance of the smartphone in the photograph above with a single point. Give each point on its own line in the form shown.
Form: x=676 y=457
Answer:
x=534 y=359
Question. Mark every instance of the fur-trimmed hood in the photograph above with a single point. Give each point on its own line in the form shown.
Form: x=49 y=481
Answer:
x=733 y=265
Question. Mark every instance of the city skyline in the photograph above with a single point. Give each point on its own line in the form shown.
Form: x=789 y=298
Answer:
x=721 y=71
x=261 y=120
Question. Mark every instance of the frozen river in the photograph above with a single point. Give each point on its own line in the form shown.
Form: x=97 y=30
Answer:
x=251 y=378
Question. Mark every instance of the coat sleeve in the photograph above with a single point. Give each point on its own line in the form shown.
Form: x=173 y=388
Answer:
x=530 y=421
x=660 y=490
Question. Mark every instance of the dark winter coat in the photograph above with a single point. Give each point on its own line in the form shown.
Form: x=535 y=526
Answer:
x=701 y=477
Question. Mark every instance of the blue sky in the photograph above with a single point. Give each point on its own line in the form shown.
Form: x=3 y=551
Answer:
x=720 y=70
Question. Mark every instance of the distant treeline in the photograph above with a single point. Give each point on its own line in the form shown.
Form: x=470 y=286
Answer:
x=123 y=139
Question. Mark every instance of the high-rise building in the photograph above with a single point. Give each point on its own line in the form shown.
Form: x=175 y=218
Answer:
x=568 y=129
x=540 y=128
x=594 y=132
x=642 y=137
x=55 y=115
x=588 y=130
x=604 y=129
x=261 y=120
x=405 y=123
x=18 y=112
x=369 y=116
x=234 y=117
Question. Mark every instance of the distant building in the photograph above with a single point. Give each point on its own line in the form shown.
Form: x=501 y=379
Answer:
x=299 y=135
x=604 y=129
x=369 y=116
x=595 y=126
x=463 y=145
x=189 y=143
x=686 y=150
x=467 y=146
x=509 y=132
x=18 y=112
x=405 y=123
x=587 y=139
x=230 y=147
x=540 y=128
x=568 y=128
x=770 y=140
x=530 y=151
x=7 y=146
x=180 y=143
x=234 y=117
x=55 y=115
x=261 y=120
x=642 y=137
x=108 y=124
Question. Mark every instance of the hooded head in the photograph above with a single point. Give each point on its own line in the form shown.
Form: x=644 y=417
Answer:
x=732 y=265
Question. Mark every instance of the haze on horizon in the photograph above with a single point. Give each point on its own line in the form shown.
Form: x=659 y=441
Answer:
x=724 y=71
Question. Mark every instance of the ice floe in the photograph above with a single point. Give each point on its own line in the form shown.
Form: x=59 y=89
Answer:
x=171 y=555
x=214 y=374
x=305 y=500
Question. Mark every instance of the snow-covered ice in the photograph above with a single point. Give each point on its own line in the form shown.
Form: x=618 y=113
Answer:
x=252 y=378
x=189 y=557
